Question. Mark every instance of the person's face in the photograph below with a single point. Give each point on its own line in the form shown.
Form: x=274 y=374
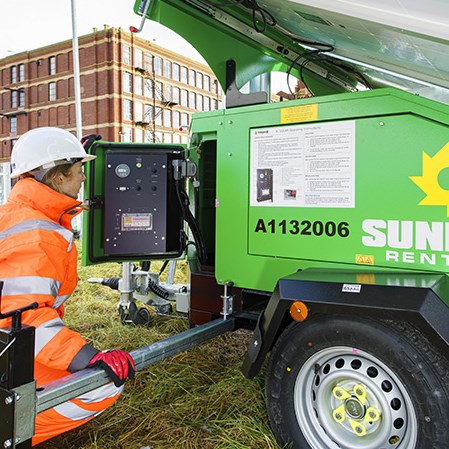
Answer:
x=70 y=185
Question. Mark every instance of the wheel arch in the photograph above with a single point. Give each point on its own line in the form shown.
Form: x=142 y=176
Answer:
x=421 y=299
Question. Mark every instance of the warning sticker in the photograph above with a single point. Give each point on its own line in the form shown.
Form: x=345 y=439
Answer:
x=297 y=114
x=137 y=222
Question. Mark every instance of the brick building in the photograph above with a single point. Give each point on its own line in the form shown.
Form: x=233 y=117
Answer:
x=131 y=90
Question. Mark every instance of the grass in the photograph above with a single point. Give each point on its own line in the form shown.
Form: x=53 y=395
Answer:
x=197 y=399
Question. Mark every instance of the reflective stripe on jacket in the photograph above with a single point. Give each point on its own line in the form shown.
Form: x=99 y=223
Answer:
x=38 y=263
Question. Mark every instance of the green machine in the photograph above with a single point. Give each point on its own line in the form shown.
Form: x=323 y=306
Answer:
x=321 y=223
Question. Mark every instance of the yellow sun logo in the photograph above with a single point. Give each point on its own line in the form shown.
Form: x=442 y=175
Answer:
x=428 y=182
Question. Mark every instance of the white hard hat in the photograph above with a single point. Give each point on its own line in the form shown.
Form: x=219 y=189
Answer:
x=43 y=148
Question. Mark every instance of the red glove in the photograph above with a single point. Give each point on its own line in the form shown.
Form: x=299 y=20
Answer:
x=119 y=365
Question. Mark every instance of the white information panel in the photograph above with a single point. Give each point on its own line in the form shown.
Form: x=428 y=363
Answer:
x=303 y=165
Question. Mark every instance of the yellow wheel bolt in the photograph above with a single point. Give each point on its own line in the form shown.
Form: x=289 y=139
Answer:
x=340 y=394
x=360 y=392
x=358 y=428
x=372 y=415
x=339 y=414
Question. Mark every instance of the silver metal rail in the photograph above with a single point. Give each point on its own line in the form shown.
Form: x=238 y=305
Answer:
x=81 y=382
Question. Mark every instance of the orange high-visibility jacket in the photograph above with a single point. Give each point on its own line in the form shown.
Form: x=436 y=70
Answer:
x=38 y=263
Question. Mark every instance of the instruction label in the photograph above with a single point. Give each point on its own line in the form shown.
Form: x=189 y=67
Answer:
x=303 y=165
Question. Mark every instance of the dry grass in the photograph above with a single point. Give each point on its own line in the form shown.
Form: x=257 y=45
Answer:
x=197 y=399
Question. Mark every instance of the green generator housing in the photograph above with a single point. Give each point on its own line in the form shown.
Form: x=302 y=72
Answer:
x=358 y=180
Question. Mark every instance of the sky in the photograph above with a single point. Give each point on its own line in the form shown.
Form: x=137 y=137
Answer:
x=31 y=24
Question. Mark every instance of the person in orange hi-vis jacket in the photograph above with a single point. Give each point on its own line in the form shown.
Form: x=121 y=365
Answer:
x=38 y=264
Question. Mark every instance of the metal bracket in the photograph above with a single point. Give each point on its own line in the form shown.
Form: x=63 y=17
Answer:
x=25 y=404
x=234 y=97
x=7 y=437
x=228 y=300
x=184 y=169
x=96 y=202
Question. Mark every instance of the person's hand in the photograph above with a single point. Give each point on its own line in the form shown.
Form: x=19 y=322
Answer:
x=119 y=365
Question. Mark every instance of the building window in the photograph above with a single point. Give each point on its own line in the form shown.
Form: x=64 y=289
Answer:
x=158 y=116
x=157 y=63
x=176 y=95
x=138 y=58
x=21 y=72
x=13 y=124
x=148 y=88
x=176 y=116
x=21 y=98
x=138 y=135
x=185 y=119
x=52 y=65
x=167 y=118
x=127 y=54
x=199 y=102
x=127 y=134
x=148 y=62
x=14 y=74
x=176 y=138
x=148 y=113
x=206 y=106
x=192 y=100
x=138 y=85
x=158 y=137
x=192 y=77
x=206 y=82
x=158 y=87
x=127 y=82
x=127 y=109
x=138 y=109
x=167 y=92
x=148 y=136
x=184 y=98
x=175 y=72
x=51 y=91
x=13 y=99
x=199 y=80
x=167 y=69
x=215 y=86
x=184 y=75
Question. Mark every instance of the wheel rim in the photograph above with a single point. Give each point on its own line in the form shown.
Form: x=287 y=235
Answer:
x=348 y=399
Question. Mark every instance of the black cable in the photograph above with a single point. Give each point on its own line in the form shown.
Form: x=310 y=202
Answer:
x=266 y=16
x=269 y=19
x=301 y=67
x=157 y=289
x=191 y=221
x=164 y=266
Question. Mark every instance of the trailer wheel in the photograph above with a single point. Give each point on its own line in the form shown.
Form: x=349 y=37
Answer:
x=353 y=383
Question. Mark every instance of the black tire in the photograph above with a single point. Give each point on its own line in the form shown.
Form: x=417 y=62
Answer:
x=142 y=317
x=317 y=367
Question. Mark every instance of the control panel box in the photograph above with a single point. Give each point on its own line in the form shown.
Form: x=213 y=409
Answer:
x=138 y=204
x=138 y=216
